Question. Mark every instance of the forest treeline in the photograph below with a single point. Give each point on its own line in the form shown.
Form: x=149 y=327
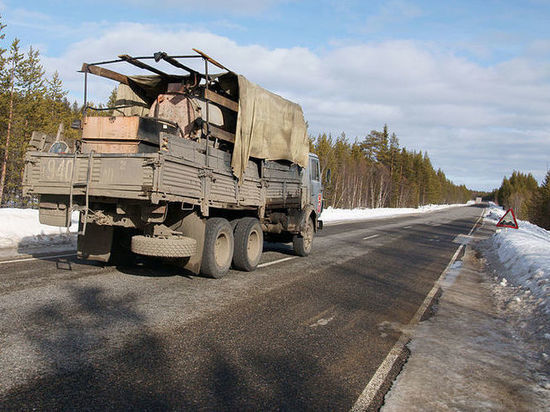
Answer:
x=375 y=172
x=530 y=201
x=29 y=100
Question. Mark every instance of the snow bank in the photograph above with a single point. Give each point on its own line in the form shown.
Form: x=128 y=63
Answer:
x=339 y=215
x=525 y=254
x=21 y=228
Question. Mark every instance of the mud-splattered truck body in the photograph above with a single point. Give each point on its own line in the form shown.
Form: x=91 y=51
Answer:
x=194 y=167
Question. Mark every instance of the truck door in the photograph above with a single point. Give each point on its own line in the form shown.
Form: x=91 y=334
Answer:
x=316 y=188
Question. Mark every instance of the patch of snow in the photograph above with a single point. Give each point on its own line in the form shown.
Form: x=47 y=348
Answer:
x=524 y=254
x=468 y=357
x=21 y=228
x=332 y=215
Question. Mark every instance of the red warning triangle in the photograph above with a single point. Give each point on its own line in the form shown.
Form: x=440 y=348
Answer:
x=508 y=220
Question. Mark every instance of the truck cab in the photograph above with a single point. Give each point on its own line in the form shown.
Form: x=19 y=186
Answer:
x=315 y=184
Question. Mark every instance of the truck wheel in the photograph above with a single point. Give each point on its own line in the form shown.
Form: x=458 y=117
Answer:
x=218 y=248
x=249 y=244
x=302 y=244
x=174 y=247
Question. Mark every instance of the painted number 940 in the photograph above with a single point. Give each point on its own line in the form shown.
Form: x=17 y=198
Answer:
x=59 y=170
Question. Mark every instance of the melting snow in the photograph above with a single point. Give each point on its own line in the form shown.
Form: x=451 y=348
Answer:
x=21 y=228
x=525 y=256
x=340 y=215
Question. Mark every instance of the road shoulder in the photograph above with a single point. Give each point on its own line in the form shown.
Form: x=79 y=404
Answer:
x=468 y=356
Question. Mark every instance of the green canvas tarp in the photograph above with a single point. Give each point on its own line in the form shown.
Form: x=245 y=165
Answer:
x=268 y=127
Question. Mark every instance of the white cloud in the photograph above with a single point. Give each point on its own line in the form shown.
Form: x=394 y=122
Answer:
x=459 y=111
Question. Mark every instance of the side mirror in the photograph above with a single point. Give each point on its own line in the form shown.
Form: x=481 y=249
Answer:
x=76 y=124
x=328 y=177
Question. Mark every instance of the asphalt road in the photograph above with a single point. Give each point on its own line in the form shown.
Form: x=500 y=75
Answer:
x=298 y=333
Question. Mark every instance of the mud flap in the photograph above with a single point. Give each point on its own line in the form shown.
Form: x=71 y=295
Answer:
x=194 y=226
x=53 y=210
x=96 y=243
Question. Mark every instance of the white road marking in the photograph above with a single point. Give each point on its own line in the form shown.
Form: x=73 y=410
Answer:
x=407 y=227
x=263 y=265
x=370 y=237
x=379 y=377
x=36 y=258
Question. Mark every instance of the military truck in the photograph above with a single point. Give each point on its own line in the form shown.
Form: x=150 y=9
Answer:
x=194 y=166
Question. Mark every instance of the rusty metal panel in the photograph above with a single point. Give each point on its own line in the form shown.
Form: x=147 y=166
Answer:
x=222 y=189
x=118 y=171
x=34 y=173
x=180 y=179
x=55 y=169
x=110 y=174
x=250 y=190
x=184 y=149
x=110 y=147
x=250 y=193
x=120 y=128
x=280 y=192
x=274 y=190
x=132 y=134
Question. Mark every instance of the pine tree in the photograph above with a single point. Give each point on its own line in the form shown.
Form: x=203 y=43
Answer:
x=27 y=102
x=377 y=173
x=539 y=209
x=2 y=50
x=516 y=193
x=10 y=79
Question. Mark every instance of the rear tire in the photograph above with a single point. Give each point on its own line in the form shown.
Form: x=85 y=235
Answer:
x=249 y=244
x=218 y=248
x=302 y=244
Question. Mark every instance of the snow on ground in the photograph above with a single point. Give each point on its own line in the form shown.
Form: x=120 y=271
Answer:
x=21 y=228
x=524 y=254
x=488 y=345
x=468 y=356
x=331 y=215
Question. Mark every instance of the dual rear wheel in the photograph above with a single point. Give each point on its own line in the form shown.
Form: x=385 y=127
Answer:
x=242 y=246
x=249 y=244
x=239 y=243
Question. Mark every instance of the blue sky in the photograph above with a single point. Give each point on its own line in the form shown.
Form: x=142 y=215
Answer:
x=468 y=81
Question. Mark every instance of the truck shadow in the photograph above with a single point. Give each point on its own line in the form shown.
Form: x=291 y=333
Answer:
x=39 y=245
x=284 y=248
x=96 y=351
x=154 y=268
x=84 y=361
